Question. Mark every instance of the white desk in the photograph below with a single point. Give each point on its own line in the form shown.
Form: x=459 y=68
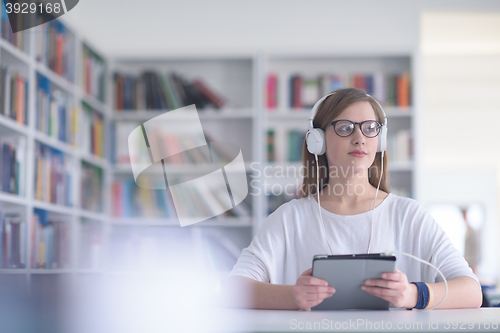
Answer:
x=394 y=320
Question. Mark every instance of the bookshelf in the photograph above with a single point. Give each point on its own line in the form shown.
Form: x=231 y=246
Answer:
x=49 y=89
x=73 y=123
x=292 y=84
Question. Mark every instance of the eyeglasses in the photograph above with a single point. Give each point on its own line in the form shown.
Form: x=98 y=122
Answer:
x=344 y=128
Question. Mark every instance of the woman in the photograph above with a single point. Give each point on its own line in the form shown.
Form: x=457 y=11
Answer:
x=274 y=272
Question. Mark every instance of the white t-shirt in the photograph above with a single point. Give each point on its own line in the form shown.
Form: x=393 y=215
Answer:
x=284 y=246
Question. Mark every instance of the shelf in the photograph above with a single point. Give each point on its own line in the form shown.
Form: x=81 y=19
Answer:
x=13 y=199
x=92 y=215
x=98 y=161
x=5 y=45
x=93 y=102
x=181 y=169
x=304 y=114
x=208 y=114
x=173 y=222
x=50 y=271
x=13 y=125
x=66 y=210
x=13 y=270
x=54 y=143
x=59 y=81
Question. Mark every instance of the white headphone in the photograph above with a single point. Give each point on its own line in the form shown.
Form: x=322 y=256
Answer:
x=315 y=137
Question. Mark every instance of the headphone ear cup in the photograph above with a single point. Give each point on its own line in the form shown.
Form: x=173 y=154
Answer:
x=315 y=140
x=382 y=139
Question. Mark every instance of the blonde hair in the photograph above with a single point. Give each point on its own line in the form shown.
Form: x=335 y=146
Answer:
x=327 y=111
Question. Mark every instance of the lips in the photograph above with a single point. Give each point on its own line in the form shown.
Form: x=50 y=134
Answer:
x=357 y=153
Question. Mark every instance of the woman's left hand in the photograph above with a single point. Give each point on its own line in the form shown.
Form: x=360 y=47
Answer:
x=394 y=288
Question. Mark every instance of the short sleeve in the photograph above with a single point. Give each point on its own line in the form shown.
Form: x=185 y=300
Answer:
x=260 y=260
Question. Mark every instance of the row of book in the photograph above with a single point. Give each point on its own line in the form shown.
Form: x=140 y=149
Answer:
x=400 y=146
x=91 y=244
x=52 y=176
x=55 y=48
x=55 y=116
x=93 y=73
x=13 y=95
x=19 y=39
x=173 y=142
x=11 y=160
x=293 y=144
x=130 y=200
x=170 y=91
x=12 y=240
x=92 y=129
x=304 y=92
x=50 y=239
x=91 y=187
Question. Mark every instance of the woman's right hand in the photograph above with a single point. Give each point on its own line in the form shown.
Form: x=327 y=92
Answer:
x=309 y=291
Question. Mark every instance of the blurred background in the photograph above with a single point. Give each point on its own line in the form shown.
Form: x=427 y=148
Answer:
x=72 y=90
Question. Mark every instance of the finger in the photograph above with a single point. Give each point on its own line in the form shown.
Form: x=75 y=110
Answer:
x=307 y=272
x=383 y=283
x=313 y=281
x=316 y=289
x=392 y=276
x=318 y=296
x=381 y=292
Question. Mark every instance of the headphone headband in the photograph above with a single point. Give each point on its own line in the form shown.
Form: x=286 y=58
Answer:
x=315 y=108
x=315 y=137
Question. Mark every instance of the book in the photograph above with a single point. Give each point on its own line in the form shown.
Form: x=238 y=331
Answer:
x=52 y=176
x=55 y=48
x=12 y=240
x=390 y=89
x=91 y=188
x=51 y=235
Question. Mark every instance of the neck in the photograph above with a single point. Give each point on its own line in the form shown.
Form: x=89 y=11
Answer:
x=348 y=189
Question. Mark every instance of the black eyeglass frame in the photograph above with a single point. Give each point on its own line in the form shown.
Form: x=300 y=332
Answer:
x=333 y=123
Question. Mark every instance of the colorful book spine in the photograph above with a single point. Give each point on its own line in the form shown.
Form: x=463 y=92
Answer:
x=55 y=48
x=52 y=176
x=129 y=200
x=54 y=113
x=12 y=240
x=51 y=241
x=19 y=39
x=295 y=143
x=389 y=89
x=12 y=158
x=157 y=91
x=93 y=74
x=91 y=188
x=271 y=157
x=272 y=91
x=92 y=127
x=13 y=95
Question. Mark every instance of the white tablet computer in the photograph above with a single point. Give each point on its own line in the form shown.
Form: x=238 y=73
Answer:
x=347 y=273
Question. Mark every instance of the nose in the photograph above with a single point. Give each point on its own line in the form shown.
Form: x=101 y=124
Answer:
x=357 y=135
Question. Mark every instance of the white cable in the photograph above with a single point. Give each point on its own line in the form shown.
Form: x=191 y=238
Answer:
x=374 y=202
x=319 y=203
x=428 y=263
